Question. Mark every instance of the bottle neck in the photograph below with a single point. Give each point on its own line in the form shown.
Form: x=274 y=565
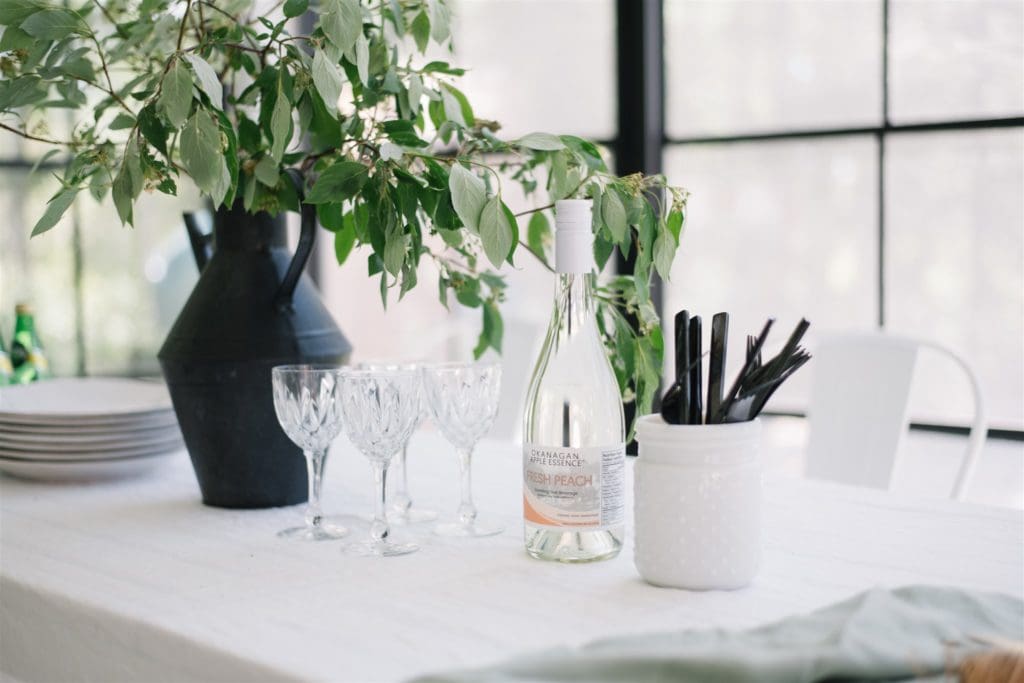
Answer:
x=24 y=324
x=574 y=301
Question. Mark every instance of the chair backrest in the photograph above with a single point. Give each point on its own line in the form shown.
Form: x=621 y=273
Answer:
x=860 y=393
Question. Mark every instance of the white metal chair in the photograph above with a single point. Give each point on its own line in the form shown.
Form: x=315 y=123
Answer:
x=860 y=392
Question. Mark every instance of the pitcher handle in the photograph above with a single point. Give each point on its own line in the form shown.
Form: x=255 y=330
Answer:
x=200 y=241
x=307 y=238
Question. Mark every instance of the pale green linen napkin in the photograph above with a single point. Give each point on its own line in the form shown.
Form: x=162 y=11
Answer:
x=909 y=633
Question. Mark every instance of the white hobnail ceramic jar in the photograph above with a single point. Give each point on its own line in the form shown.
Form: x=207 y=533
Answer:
x=697 y=503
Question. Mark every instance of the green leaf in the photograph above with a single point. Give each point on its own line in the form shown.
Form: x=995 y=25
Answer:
x=152 y=128
x=59 y=203
x=538 y=235
x=208 y=81
x=397 y=17
x=394 y=251
x=342 y=22
x=21 y=91
x=229 y=145
x=362 y=49
x=602 y=251
x=496 y=232
x=77 y=68
x=202 y=157
x=328 y=79
x=664 y=253
x=493 y=330
x=15 y=39
x=415 y=92
x=421 y=31
x=293 y=8
x=338 y=183
x=404 y=133
x=266 y=171
x=559 y=181
x=469 y=196
x=456 y=106
x=468 y=293
x=674 y=223
x=176 y=94
x=440 y=20
x=121 y=194
x=54 y=24
x=344 y=240
x=122 y=121
x=16 y=11
x=280 y=125
x=613 y=214
x=541 y=141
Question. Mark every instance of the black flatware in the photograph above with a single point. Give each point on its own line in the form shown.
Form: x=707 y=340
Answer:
x=695 y=415
x=716 y=365
x=754 y=385
x=748 y=366
x=675 y=405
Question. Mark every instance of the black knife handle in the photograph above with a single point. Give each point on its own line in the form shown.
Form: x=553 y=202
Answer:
x=695 y=415
x=683 y=357
x=716 y=366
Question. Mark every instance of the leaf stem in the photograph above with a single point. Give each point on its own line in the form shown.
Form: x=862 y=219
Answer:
x=535 y=210
x=537 y=256
x=29 y=136
x=184 y=23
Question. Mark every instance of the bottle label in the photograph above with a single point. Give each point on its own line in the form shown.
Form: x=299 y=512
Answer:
x=577 y=488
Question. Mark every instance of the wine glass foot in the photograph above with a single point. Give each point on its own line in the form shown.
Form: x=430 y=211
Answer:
x=474 y=529
x=380 y=548
x=321 y=532
x=411 y=516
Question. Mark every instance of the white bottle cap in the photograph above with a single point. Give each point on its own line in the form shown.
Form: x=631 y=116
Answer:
x=574 y=236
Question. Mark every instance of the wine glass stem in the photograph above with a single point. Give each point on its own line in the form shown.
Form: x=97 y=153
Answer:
x=467 y=511
x=400 y=498
x=379 y=529
x=315 y=470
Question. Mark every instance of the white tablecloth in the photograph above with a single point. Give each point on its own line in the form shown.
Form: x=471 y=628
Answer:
x=136 y=580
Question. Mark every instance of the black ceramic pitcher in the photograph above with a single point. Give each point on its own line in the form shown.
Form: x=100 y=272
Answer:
x=252 y=308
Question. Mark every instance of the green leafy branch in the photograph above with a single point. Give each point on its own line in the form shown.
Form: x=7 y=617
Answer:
x=393 y=155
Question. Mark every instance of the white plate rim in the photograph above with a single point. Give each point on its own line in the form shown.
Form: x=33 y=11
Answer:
x=124 y=454
x=157 y=398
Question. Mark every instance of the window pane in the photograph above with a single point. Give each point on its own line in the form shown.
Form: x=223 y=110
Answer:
x=735 y=66
x=134 y=281
x=955 y=265
x=783 y=229
x=956 y=59
x=539 y=64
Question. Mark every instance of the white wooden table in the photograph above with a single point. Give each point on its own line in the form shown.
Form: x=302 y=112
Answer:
x=136 y=580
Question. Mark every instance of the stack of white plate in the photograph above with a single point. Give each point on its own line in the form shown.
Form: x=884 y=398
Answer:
x=85 y=428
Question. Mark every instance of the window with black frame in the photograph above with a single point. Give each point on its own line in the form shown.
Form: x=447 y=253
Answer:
x=103 y=300
x=860 y=163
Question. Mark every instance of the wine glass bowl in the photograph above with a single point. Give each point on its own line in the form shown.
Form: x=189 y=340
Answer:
x=381 y=410
x=307 y=406
x=401 y=509
x=463 y=402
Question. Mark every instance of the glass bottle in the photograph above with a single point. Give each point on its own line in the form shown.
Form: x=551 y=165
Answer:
x=6 y=368
x=27 y=354
x=574 y=432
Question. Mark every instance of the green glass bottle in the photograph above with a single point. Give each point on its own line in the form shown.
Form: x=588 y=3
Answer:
x=6 y=369
x=27 y=354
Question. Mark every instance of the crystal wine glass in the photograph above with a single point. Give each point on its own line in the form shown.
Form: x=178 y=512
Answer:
x=308 y=407
x=381 y=408
x=401 y=510
x=463 y=401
